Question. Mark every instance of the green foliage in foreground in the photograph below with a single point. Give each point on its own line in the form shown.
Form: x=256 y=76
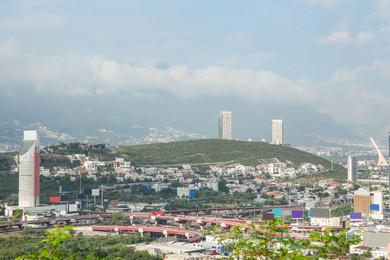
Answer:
x=333 y=244
x=271 y=240
x=60 y=243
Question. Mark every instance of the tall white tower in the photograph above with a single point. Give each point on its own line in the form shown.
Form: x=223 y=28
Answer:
x=381 y=159
x=225 y=125
x=352 y=168
x=29 y=170
x=277 y=131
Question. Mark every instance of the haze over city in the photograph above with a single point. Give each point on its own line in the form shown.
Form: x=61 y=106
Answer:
x=176 y=129
x=140 y=60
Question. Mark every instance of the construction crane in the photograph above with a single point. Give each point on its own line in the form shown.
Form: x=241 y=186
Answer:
x=381 y=159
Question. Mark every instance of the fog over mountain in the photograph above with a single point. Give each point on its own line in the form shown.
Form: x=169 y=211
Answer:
x=138 y=71
x=127 y=119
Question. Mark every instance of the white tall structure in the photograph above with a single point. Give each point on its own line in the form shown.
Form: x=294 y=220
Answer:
x=381 y=159
x=376 y=206
x=29 y=160
x=277 y=131
x=225 y=125
x=352 y=169
x=213 y=184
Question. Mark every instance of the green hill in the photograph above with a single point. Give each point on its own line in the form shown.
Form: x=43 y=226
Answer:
x=211 y=151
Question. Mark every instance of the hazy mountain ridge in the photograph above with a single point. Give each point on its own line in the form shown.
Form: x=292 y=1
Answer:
x=12 y=135
x=160 y=117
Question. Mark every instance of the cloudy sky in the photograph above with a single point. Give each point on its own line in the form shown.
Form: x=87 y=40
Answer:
x=331 y=54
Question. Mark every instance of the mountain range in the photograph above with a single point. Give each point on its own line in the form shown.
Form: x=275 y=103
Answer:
x=160 y=117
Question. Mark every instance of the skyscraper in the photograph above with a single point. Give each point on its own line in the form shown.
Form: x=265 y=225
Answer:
x=225 y=125
x=29 y=170
x=352 y=169
x=277 y=131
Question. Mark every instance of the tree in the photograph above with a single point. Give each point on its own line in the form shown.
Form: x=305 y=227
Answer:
x=222 y=186
x=269 y=240
x=118 y=218
x=333 y=244
x=249 y=190
x=11 y=220
x=12 y=200
x=52 y=245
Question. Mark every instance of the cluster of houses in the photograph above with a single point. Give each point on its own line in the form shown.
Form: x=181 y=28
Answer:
x=268 y=181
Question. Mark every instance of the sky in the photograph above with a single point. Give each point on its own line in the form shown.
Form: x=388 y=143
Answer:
x=329 y=54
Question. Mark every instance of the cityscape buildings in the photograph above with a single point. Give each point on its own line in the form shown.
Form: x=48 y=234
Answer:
x=376 y=205
x=361 y=199
x=225 y=125
x=352 y=169
x=369 y=203
x=277 y=131
x=29 y=160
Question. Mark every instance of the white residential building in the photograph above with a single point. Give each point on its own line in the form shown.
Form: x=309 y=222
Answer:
x=277 y=131
x=376 y=206
x=352 y=169
x=225 y=125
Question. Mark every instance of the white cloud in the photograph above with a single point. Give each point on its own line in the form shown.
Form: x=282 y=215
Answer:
x=337 y=37
x=357 y=95
x=383 y=8
x=187 y=82
x=326 y=3
x=77 y=75
x=344 y=37
x=30 y=22
x=349 y=95
x=365 y=37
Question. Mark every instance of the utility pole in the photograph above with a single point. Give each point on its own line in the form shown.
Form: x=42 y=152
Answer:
x=102 y=198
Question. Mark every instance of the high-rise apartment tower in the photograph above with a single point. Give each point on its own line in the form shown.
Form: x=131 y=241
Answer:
x=225 y=125
x=352 y=169
x=277 y=131
x=29 y=170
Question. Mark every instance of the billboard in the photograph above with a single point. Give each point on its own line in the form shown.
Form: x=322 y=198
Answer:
x=88 y=191
x=95 y=192
x=61 y=207
x=192 y=194
x=297 y=214
x=80 y=196
x=309 y=204
x=320 y=212
x=268 y=216
x=355 y=216
x=308 y=213
x=148 y=186
x=72 y=207
x=64 y=197
x=55 y=199
x=277 y=212
x=65 y=189
x=374 y=207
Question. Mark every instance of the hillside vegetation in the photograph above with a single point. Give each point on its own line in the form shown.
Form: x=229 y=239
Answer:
x=210 y=151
